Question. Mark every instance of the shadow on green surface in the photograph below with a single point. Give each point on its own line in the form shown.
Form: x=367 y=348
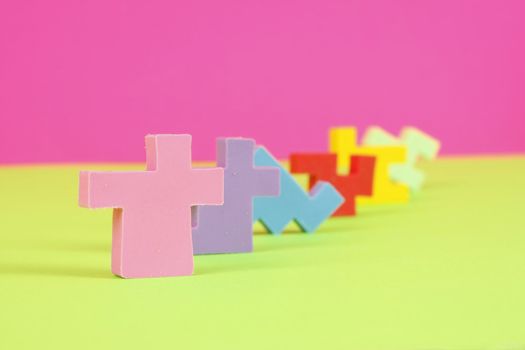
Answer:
x=214 y=265
x=33 y=270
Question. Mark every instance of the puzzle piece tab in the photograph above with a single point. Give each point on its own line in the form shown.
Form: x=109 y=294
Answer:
x=323 y=167
x=418 y=144
x=152 y=209
x=308 y=210
x=343 y=142
x=229 y=228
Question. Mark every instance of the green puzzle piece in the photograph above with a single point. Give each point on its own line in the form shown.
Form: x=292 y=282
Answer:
x=418 y=144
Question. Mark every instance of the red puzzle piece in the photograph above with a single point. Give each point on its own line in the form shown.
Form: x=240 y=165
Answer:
x=323 y=167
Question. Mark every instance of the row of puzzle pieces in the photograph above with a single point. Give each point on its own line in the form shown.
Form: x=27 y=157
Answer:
x=171 y=211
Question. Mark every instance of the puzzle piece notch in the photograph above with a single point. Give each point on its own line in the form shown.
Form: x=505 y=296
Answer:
x=418 y=145
x=229 y=228
x=152 y=208
x=343 y=142
x=308 y=210
x=323 y=167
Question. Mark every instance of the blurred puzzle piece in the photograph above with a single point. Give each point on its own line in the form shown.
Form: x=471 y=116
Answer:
x=323 y=167
x=343 y=142
x=418 y=144
x=152 y=208
x=308 y=210
x=229 y=228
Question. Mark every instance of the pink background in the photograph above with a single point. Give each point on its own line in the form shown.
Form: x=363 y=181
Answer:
x=86 y=80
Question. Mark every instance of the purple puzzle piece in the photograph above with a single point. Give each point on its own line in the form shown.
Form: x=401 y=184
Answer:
x=228 y=228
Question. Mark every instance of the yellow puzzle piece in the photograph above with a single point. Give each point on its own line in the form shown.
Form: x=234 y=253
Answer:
x=343 y=142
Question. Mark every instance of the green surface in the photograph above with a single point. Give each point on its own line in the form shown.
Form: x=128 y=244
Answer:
x=446 y=271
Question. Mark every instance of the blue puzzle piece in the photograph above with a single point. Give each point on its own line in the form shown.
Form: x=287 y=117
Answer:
x=308 y=210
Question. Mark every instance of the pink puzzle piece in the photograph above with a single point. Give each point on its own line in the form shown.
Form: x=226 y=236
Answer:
x=152 y=233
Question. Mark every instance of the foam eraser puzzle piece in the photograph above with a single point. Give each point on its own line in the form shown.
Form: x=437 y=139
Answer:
x=308 y=210
x=152 y=208
x=229 y=228
x=418 y=144
x=343 y=142
x=323 y=167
